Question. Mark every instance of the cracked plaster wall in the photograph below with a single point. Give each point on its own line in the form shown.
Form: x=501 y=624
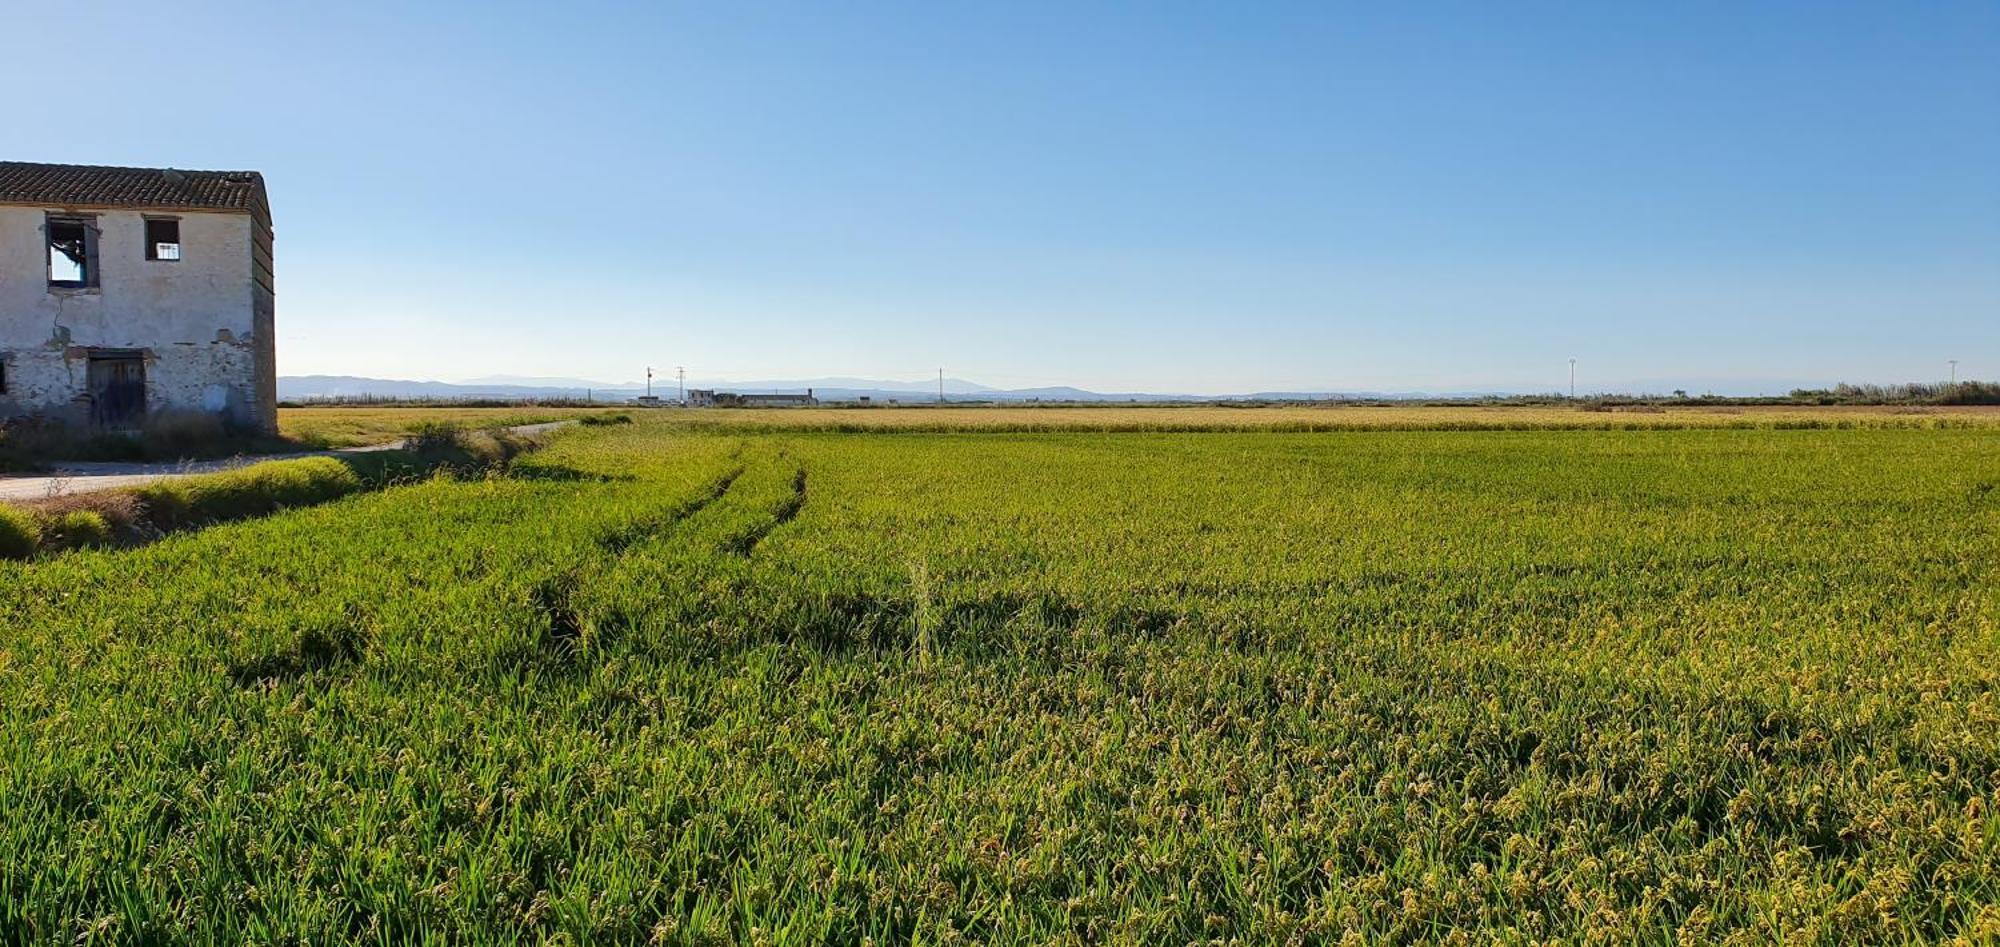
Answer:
x=202 y=324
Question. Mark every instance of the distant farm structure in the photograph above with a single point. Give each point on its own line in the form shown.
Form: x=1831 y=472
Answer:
x=710 y=398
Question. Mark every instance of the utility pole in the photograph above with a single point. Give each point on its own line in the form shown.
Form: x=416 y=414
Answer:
x=1572 y=379
x=940 y=386
x=681 y=372
x=649 y=381
x=1954 y=370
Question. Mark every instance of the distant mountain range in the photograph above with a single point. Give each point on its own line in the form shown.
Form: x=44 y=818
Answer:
x=322 y=387
x=667 y=382
x=523 y=387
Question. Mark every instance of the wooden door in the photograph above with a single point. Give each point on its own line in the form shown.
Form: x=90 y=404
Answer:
x=117 y=390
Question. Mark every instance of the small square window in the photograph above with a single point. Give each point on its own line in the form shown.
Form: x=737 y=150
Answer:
x=163 y=239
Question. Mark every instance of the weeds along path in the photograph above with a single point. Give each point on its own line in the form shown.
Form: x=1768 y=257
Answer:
x=677 y=687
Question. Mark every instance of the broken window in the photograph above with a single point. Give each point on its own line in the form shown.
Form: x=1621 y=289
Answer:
x=72 y=252
x=163 y=239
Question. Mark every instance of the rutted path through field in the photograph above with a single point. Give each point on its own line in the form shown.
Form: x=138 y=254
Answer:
x=676 y=547
x=90 y=477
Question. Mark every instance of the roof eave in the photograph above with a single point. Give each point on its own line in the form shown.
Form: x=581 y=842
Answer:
x=102 y=205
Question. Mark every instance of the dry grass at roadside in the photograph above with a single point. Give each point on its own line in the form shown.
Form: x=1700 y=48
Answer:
x=345 y=426
x=141 y=514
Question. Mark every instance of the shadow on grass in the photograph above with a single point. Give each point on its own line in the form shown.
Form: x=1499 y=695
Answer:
x=31 y=445
x=318 y=647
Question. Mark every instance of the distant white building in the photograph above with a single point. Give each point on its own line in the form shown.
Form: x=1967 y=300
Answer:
x=777 y=401
x=130 y=291
x=705 y=398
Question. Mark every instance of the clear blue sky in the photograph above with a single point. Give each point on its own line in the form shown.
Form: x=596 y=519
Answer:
x=1192 y=197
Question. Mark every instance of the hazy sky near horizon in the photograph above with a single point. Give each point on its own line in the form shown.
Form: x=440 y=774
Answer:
x=1171 y=196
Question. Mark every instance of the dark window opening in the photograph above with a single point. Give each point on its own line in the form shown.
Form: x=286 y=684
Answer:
x=3 y=376
x=72 y=252
x=163 y=240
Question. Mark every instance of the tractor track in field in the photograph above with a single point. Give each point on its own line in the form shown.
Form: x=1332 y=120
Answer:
x=321 y=646
x=555 y=599
x=618 y=541
x=566 y=630
x=746 y=543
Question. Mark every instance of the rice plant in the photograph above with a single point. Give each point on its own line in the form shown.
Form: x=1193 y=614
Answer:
x=727 y=684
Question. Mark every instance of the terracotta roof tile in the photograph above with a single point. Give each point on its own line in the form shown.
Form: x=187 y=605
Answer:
x=76 y=185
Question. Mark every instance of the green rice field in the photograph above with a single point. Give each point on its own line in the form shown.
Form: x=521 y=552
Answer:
x=678 y=683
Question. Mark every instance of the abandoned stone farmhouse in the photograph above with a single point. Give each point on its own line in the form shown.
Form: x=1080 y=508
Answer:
x=134 y=293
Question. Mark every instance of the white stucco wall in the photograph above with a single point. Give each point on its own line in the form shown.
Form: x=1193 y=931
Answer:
x=195 y=320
